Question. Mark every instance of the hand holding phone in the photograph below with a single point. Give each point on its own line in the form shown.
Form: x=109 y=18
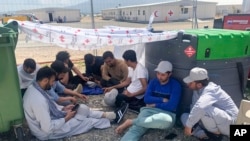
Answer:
x=75 y=107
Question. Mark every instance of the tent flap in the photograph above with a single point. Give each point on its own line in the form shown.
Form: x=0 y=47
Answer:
x=81 y=39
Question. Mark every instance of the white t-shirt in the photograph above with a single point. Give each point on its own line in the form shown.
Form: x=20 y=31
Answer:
x=25 y=79
x=139 y=72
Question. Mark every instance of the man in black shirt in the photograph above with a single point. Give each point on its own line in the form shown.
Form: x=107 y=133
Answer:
x=93 y=66
x=71 y=81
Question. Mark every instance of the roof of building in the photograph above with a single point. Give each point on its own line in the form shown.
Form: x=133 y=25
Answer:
x=185 y=2
x=49 y=9
x=225 y=2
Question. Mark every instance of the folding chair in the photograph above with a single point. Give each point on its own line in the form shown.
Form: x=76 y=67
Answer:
x=244 y=112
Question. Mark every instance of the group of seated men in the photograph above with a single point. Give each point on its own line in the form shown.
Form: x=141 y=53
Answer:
x=51 y=114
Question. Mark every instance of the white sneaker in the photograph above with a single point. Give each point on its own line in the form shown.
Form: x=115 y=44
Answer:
x=110 y=115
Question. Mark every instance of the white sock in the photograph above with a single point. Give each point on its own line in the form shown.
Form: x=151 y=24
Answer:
x=110 y=115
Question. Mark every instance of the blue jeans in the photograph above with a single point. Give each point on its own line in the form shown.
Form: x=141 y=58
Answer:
x=149 y=118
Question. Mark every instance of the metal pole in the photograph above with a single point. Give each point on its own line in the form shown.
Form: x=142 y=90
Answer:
x=194 y=18
x=93 y=21
x=92 y=14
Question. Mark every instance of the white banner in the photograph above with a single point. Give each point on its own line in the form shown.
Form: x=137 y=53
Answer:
x=81 y=39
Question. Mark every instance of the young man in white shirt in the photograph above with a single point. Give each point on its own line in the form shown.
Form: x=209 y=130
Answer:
x=136 y=81
x=27 y=73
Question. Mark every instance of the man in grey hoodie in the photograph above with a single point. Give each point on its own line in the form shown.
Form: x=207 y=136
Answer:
x=212 y=108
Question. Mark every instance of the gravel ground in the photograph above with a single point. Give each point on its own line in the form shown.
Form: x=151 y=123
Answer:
x=109 y=134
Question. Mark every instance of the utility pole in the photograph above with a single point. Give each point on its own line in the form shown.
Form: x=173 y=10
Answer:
x=93 y=21
x=92 y=14
x=194 y=18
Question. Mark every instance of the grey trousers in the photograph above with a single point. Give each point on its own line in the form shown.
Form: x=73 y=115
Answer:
x=214 y=120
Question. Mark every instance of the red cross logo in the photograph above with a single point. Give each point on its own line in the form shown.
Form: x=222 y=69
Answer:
x=170 y=13
x=130 y=41
x=87 y=41
x=40 y=37
x=62 y=38
x=34 y=30
x=167 y=36
x=149 y=39
x=110 y=41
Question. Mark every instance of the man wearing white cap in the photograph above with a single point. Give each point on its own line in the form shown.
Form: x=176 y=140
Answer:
x=162 y=97
x=212 y=108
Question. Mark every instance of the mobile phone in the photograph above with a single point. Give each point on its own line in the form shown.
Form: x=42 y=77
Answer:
x=171 y=136
x=91 y=78
x=75 y=107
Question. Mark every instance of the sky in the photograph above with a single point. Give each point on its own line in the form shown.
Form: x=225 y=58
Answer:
x=9 y=5
x=13 y=5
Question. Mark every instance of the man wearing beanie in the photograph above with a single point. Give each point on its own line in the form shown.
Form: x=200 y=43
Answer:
x=212 y=109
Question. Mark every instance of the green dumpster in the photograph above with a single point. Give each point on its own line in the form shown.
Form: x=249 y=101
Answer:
x=224 y=53
x=11 y=111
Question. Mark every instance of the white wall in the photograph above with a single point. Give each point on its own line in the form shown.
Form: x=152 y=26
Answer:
x=204 y=10
x=72 y=15
x=228 y=9
x=246 y=6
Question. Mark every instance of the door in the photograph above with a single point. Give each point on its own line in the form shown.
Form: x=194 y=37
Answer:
x=50 y=17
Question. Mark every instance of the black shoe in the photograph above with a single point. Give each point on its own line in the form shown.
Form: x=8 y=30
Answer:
x=121 y=112
x=205 y=139
x=214 y=137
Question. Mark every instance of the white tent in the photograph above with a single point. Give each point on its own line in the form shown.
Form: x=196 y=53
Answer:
x=122 y=38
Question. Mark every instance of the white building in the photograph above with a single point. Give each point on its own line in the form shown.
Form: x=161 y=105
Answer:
x=165 y=11
x=53 y=14
x=225 y=7
x=170 y=11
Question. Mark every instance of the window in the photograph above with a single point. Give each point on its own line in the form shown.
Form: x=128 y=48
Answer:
x=138 y=12
x=123 y=13
x=130 y=13
x=143 y=12
x=184 y=10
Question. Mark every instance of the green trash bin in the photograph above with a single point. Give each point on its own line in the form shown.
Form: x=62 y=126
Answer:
x=224 y=53
x=11 y=110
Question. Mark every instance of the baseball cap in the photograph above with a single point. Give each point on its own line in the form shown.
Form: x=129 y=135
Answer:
x=164 y=66
x=196 y=74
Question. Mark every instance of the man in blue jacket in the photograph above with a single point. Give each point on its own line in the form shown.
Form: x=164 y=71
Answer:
x=162 y=98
